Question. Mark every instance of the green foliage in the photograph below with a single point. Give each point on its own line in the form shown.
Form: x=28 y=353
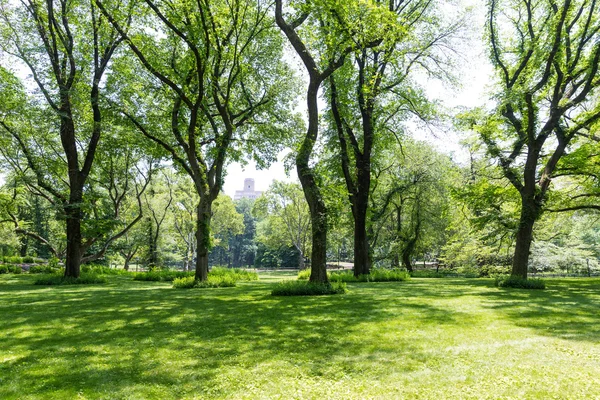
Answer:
x=41 y=269
x=102 y=270
x=376 y=275
x=186 y=282
x=237 y=274
x=301 y=288
x=212 y=282
x=304 y=275
x=3 y=269
x=56 y=279
x=519 y=283
x=166 y=275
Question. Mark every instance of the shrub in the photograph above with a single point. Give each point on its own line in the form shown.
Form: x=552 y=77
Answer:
x=14 y=269
x=212 y=282
x=235 y=273
x=493 y=270
x=41 y=269
x=304 y=275
x=56 y=279
x=12 y=259
x=3 y=269
x=166 y=275
x=519 y=283
x=102 y=270
x=376 y=275
x=186 y=282
x=28 y=260
x=301 y=288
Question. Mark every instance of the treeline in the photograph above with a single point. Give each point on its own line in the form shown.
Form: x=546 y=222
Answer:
x=130 y=112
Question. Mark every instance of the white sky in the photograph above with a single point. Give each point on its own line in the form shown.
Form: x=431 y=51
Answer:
x=474 y=74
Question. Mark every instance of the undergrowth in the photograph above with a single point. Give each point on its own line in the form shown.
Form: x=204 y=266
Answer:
x=519 y=283
x=302 y=288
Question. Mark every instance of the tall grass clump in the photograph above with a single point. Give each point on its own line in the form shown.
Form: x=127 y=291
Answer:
x=519 y=283
x=376 y=275
x=302 y=288
x=56 y=279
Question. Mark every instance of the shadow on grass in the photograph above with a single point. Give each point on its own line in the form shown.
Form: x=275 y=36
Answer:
x=568 y=308
x=146 y=339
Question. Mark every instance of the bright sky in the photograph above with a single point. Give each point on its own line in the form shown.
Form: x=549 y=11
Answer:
x=474 y=74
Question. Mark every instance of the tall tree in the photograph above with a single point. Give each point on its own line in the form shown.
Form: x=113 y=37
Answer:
x=331 y=31
x=547 y=56
x=284 y=209
x=215 y=69
x=67 y=46
x=374 y=93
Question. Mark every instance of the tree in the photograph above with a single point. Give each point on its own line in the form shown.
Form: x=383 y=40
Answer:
x=286 y=216
x=332 y=31
x=243 y=246
x=67 y=46
x=226 y=223
x=373 y=94
x=215 y=69
x=546 y=55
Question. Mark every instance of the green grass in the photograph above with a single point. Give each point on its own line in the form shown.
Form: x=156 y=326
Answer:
x=418 y=339
x=304 y=288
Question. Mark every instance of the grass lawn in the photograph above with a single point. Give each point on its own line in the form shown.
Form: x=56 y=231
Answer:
x=425 y=338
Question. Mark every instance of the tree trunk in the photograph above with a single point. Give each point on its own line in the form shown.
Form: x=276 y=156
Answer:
x=316 y=204
x=301 y=265
x=529 y=212
x=202 y=239
x=406 y=254
x=362 y=261
x=73 y=255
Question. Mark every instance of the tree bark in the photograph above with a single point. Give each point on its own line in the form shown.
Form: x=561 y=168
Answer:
x=362 y=260
x=202 y=239
x=73 y=255
x=524 y=238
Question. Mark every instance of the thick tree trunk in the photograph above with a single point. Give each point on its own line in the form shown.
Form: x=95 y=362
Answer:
x=73 y=254
x=362 y=261
x=524 y=238
x=202 y=239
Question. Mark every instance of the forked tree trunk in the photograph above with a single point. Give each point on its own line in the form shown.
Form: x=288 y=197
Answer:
x=202 y=239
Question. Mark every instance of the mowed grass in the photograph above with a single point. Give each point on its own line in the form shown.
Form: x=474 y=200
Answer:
x=424 y=338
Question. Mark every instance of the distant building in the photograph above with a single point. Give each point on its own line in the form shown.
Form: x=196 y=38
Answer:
x=248 y=192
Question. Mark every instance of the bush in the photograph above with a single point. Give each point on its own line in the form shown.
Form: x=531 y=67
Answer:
x=28 y=260
x=376 y=275
x=102 y=270
x=186 y=282
x=3 y=269
x=212 y=282
x=56 y=279
x=166 y=275
x=304 y=275
x=519 y=283
x=236 y=273
x=14 y=269
x=12 y=259
x=300 y=288
x=41 y=269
